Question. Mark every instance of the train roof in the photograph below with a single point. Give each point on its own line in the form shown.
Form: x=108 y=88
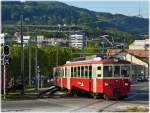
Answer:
x=103 y=61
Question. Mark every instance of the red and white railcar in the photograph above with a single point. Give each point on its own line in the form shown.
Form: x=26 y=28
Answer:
x=98 y=76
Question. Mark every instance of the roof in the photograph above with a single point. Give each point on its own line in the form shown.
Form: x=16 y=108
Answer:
x=135 y=52
x=139 y=53
x=106 y=61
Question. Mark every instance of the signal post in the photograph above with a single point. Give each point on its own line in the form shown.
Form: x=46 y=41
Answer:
x=5 y=63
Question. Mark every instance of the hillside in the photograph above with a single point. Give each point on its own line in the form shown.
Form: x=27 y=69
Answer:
x=53 y=13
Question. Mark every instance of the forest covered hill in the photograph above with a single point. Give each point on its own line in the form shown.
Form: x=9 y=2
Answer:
x=53 y=13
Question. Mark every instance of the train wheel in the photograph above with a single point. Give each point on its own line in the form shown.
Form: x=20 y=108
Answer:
x=122 y=97
x=71 y=92
x=95 y=96
x=106 y=97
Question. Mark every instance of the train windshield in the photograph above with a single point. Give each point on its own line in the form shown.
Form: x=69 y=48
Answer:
x=116 y=71
x=108 y=71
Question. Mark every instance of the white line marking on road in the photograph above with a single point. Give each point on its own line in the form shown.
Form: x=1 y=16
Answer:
x=130 y=97
x=138 y=93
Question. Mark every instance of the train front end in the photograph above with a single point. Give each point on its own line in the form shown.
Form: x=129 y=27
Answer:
x=116 y=80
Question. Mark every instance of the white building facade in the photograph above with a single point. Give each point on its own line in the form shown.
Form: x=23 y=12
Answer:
x=140 y=44
x=77 y=41
x=25 y=39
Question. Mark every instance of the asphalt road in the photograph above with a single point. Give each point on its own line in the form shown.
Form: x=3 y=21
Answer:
x=138 y=97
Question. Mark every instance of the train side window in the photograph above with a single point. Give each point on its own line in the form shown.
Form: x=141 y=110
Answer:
x=61 y=72
x=78 y=71
x=86 y=71
x=98 y=75
x=116 y=71
x=90 y=71
x=68 y=72
x=82 y=71
x=99 y=68
x=65 y=72
x=57 y=73
x=75 y=72
x=71 y=71
x=107 y=71
x=54 y=72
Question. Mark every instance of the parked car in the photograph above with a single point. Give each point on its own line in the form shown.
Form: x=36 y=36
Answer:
x=141 y=78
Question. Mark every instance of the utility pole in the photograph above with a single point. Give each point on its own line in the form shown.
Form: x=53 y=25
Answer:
x=57 y=47
x=36 y=61
x=4 y=71
x=22 y=58
x=102 y=47
x=30 y=61
x=57 y=56
x=4 y=82
x=38 y=75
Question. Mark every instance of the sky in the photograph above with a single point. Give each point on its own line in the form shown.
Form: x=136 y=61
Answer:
x=130 y=8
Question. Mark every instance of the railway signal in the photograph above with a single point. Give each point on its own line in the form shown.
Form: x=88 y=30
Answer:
x=6 y=50
x=6 y=60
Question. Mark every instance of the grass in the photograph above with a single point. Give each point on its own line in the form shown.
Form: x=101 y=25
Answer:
x=12 y=96
x=137 y=109
x=30 y=90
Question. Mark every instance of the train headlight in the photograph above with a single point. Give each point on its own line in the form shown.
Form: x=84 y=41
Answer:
x=126 y=84
x=106 y=84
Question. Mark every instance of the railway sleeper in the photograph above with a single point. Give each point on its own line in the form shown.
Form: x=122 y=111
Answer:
x=48 y=92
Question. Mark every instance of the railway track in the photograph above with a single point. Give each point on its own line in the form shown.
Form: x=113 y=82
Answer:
x=85 y=106
x=107 y=106
x=95 y=106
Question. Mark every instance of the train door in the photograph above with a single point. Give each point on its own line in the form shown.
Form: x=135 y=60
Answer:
x=94 y=69
x=90 y=77
x=61 y=76
x=68 y=77
x=96 y=77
